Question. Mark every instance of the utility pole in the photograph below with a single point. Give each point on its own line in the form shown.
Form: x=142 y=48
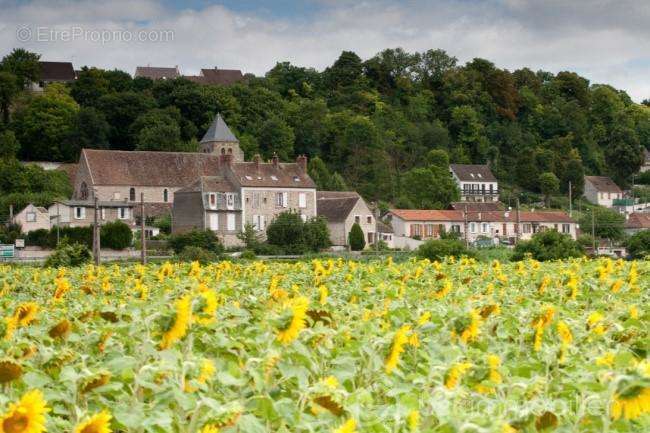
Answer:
x=11 y=214
x=518 y=224
x=96 y=232
x=593 y=232
x=570 y=201
x=58 y=221
x=465 y=226
x=143 y=235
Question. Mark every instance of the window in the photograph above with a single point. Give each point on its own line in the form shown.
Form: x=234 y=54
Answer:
x=302 y=200
x=31 y=217
x=117 y=196
x=296 y=179
x=212 y=200
x=230 y=200
x=256 y=200
x=79 y=213
x=165 y=195
x=132 y=194
x=357 y=219
x=472 y=227
x=455 y=228
x=83 y=191
x=123 y=213
x=230 y=221
x=273 y=177
x=103 y=213
x=259 y=222
x=214 y=221
x=369 y=219
x=484 y=227
x=566 y=228
x=527 y=228
x=281 y=199
x=248 y=177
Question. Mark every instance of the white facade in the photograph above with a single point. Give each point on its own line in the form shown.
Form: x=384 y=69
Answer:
x=597 y=196
x=32 y=218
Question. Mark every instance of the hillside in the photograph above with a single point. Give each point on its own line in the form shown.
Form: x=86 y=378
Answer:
x=372 y=122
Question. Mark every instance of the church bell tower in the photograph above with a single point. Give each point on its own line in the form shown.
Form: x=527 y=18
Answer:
x=219 y=140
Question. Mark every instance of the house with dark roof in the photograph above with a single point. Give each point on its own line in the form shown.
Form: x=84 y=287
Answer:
x=254 y=192
x=53 y=72
x=342 y=209
x=216 y=76
x=476 y=182
x=637 y=222
x=81 y=213
x=602 y=190
x=157 y=72
x=494 y=225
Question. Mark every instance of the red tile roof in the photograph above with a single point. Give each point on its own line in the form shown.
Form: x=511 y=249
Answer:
x=638 y=220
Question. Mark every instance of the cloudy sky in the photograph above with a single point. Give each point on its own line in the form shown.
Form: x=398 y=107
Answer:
x=606 y=41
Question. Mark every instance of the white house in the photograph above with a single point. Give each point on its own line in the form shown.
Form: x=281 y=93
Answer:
x=476 y=182
x=601 y=190
x=342 y=209
x=32 y=218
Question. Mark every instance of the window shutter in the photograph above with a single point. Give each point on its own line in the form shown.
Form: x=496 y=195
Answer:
x=83 y=213
x=285 y=199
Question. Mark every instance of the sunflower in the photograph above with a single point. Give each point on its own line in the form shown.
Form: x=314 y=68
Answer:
x=413 y=420
x=350 y=426
x=400 y=339
x=26 y=313
x=181 y=322
x=7 y=327
x=472 y=330
x=207 y=371
x=62 y=287
x=210 y=428
x=206 y=307
x=26 y=416
x=565 y=333
x=98 y=423
x=455 y=374
x=61 y=329
x=298 y=307
x=631 y=404
x=9 y=370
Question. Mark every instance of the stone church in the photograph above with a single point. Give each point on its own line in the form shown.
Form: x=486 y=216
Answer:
x=211 y=189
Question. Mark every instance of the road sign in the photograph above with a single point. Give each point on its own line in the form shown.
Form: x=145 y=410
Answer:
x=6 y=251
x=20 y=243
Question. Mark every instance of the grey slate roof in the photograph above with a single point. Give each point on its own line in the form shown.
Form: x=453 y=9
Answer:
x=603 y=184
x=209 y=184
x=219 y=131
x=57 y=71
x=473 y=172
x=336 y=206
x=156 y=73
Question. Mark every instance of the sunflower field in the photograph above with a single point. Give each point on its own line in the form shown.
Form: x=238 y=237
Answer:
x=327 y=346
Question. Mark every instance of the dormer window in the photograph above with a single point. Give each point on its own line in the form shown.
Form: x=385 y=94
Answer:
x=212 y=200
x=472 y=175
x=273 y=177
x=132 y=194
x=296 y=179
x=249 y=177
x=479 y=175
x=259 y=177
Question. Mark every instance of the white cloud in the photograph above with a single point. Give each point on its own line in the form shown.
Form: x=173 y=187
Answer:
x=604 y=40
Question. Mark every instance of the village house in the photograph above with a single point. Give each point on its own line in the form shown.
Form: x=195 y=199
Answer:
x=53 y=72
x=81 y=213
x=495 y=225
x=32 y=218
x=157 y=73
x=342 y=209
x=475 y=182
x=637 y=222
x=602 y=190
x=240 y=193
x=385 y=234
x=113 y=175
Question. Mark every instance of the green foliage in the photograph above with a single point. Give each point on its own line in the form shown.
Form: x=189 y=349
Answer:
x=164 y=223
x=116 y=235
x=8 y=90
x=248 y=255
x=23 y=65
x=192 y=253
x=71 y=235
x=608 y=224
x=287 y=231
x=429 y=188
x=9 y=233
x=9 y=146
x=38 y=238
x=205 y=239
x=68 y=255
x=317 y=235
x=440 y=249
x=548 y=245
x=643 y=178
x=249 y=236
x=549 y=184
x=356 y=238
x=638 y=245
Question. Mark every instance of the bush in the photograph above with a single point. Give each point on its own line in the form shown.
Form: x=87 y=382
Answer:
x=116 y=235
x=164 y=223
x=9 y=233
x=268 y=250
x=68 y=255
x=287 y=231
x=38 y=238
x=356 y=239
x=205 y=239
x=638 y=245
x=192 y=253
x=73 y=235
x=317 y=235
x=439 y=249
x=248 y=255
x=249 y=237
x=548 y=245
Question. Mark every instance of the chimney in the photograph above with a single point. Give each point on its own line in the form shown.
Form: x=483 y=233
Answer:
x=275 y=160
x=302 y=162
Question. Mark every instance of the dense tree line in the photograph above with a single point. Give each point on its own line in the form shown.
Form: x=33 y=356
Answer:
x=379 y=126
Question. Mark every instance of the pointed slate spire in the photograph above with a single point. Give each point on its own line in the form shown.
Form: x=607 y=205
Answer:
x=219 y=131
